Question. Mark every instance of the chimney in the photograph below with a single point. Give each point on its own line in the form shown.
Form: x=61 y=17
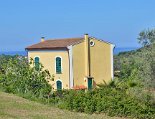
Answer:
x=42 y=39
x=86 y=36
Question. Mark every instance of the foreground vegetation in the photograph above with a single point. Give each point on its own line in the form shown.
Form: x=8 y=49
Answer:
x=131 y=94
x=116 y=99
x=112 y=101
x=14 y=107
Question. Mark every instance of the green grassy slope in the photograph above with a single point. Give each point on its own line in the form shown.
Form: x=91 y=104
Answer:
x=14 y=107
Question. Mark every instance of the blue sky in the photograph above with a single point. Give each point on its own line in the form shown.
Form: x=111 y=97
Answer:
x=23 y=22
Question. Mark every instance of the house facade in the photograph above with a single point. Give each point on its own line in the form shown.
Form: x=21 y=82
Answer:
x=76 y=63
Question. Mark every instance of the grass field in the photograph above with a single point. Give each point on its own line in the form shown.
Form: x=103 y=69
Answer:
x=14 y=107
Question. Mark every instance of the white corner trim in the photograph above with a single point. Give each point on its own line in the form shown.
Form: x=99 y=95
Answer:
x=61 y=64
x=71 y=82
x=112 y=61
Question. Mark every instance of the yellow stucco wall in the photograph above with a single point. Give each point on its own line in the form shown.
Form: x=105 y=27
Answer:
x=100 y=62
x=79 y=64
x=47 y=58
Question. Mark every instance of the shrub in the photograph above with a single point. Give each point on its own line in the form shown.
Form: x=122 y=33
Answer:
x=113 y=101
x=16 y=76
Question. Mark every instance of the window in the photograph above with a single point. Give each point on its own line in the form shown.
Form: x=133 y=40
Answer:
x=36 y=62
x=92 y=43
x=58 y=65
x=90 y=83
x=59 y=85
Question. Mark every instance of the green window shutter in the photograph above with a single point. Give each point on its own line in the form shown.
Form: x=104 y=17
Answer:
x=58 y=65
x=90 y=83
x=37 y=64
x=59 y=85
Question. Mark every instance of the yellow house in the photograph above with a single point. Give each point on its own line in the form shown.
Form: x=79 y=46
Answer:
x=76 y=63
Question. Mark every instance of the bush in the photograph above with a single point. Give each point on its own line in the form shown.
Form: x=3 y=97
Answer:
x=114 y=102
x=16 y=76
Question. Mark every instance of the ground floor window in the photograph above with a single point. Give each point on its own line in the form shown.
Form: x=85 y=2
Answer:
x=90 y=83
x=59 y=85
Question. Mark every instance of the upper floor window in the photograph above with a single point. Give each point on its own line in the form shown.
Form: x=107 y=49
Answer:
x=58 y=65
x=37 y=64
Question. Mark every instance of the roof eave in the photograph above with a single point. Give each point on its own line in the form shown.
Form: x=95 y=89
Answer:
x=56 y=48
x=102 y=41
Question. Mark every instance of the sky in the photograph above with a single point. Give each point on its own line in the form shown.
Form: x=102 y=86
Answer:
x=24 y=22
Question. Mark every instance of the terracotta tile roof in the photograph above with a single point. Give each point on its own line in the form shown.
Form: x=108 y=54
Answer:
x=55 y=44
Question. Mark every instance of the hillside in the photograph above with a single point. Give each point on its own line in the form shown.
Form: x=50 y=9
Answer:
x=12 y=107
x=140 y=64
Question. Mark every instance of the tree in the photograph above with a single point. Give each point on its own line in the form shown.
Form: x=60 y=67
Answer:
x=17 y=76
x=147 y=37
